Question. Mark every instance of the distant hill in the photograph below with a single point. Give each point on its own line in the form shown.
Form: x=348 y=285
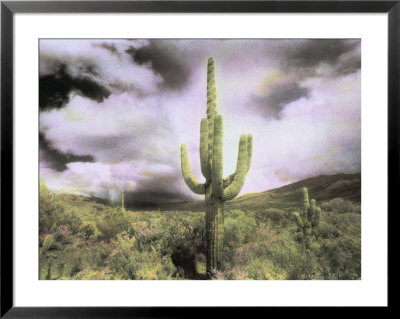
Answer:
x=321 y=188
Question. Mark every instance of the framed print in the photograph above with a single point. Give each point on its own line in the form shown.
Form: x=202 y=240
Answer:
x=164 y=155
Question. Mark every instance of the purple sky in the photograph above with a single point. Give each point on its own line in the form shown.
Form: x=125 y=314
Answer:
x=113 y=113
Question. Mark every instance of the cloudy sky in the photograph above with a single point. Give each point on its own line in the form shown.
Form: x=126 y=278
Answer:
x=113 y=113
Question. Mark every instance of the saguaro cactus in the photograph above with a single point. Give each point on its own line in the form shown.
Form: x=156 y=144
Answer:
x=216 y=189
x=309 y=218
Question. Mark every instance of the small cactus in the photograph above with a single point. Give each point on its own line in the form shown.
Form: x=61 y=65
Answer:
x=123 y=200
x=308 y=220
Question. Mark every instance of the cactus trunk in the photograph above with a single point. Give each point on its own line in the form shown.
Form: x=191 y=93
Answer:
x=216 y=188
x=214 y=208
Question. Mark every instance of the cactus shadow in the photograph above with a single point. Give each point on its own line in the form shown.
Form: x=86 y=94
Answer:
x=184 y=258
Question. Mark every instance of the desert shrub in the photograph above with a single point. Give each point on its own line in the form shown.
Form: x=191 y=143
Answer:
x=340 y=206
x=46 y=258
x=77 y=266
x=154 y=267
x=180 y=232
x=89 y=273
x=69 y=217
x=297 y=262
x=327 y=231
x=48 y=209
x=274 y=215
x=88 y=230
x=239 y=227
x=145 y=234
x=183 y=240
x=234 y=273
x=47 y=243
x=113 y=221
x=348 y=223
x=63 y=234
x=65 y=272
x=131 y=263
x=101 y=253
x=340 y=259
x=54 y=212
x=262 y=269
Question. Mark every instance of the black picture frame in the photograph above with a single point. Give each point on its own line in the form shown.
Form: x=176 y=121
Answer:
x=9 y=8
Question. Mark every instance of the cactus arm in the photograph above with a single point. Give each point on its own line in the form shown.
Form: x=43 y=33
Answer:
x=229 y=179
x=305 y=196
x=233 y=190
x=306 y=201
x=188 y=176
x=313 y=206
x=217 y=164
x=298 y=220
x=311 y=209
x=249 y=150
x=204 y=155
x=316 y=218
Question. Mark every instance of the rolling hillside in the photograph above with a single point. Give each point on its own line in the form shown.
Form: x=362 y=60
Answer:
x=321 y=188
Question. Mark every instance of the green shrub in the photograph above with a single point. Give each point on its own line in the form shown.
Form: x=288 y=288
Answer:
x=48 y=209
x=113 y=222
x=69 y=217
x=239 y=227
x=262 y=269
x=274 y=215
x=341 y=206
x=130 y=263
x=63 y=235
x=341 y=258
x=296 y=261
x=327 y=231
x=89 y=273
x=88 y=230
x=47 y=243
x=179 y=231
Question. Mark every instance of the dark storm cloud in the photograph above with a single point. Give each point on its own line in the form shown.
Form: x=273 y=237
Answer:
x=272 y=103
x=113 y=148
x=56 y=159
x=54 y=89
x=163 y=188
x=349 y=65
x=107 y=46
x=309 y=54
x=151 y=196
x=164 y=61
